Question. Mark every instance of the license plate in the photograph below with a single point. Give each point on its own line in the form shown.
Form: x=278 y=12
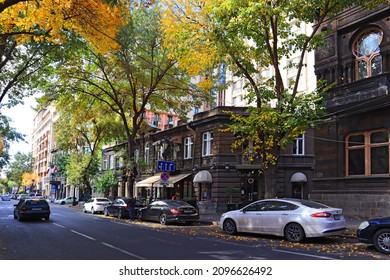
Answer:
x=188 y=212
x=37 y=209
x=336 y=217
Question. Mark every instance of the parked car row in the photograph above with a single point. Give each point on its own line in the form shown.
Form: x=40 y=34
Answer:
x=293 y=219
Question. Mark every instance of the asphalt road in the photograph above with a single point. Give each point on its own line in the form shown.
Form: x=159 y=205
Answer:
x=73 y=235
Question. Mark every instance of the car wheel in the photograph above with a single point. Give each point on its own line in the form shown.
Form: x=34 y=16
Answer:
x=229 y=226
x=105 y=212
x=92 y=211
x=163 y=219
x=84 y=210
x=294 y=233
x=62 y=202
x=15 y=216
x=381 y=241
x=139 y=216
x=47 y=218
x=20 y=219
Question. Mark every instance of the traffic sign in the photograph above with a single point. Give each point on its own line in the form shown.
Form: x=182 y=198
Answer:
x=164 y=176
x=165 y=166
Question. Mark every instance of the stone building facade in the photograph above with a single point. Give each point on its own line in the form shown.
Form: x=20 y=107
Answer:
x=352 y=142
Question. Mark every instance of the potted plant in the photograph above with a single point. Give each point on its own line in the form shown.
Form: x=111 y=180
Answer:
x=230 y=205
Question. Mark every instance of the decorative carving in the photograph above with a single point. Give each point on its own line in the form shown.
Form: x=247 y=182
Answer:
x=326 y=51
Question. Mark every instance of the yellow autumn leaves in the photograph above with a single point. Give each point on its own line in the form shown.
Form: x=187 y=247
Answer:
x=96 y=21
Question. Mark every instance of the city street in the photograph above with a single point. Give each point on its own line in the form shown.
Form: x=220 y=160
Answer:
x=71 y=234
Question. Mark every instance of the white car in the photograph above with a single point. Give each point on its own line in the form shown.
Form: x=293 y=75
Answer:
x=96 y=204
x=66 y=200
x=295 y=219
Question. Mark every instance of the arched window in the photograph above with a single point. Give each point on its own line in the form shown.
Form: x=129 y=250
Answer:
x=366 y=49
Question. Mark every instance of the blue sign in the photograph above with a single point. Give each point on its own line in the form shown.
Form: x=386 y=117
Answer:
x=164 y=176
x=165 y=165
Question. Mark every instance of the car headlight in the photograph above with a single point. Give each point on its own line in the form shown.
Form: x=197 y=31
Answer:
x=364 y=225
x=223 y=215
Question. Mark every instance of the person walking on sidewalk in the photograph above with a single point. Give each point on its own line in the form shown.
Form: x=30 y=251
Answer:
x=131 y=207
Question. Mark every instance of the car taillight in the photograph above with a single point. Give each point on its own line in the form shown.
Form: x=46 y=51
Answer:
x=321 y=215
x=24 y=208
x=175 y=211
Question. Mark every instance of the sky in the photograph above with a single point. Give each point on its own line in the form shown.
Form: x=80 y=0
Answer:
x=22 y=120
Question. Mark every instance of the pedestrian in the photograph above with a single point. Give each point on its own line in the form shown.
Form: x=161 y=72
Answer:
x=131 y=207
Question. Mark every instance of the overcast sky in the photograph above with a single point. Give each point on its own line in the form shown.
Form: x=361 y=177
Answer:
x=22 y=120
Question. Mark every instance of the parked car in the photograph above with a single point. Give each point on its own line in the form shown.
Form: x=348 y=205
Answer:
x=66 y=200
x=96 y=204
x=168 y=211
x=119 y=208
x=5 y=197
x=295 y=219
x=377 y=232
x=32 y=208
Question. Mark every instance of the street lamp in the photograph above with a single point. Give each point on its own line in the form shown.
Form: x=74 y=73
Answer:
x=165 y=143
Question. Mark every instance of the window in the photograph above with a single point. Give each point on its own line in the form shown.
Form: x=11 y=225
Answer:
x=299 y=145
x=105 y=163
x=188 y=147
x=366 y=49
x=207 y=143
x=156 y=119
x=111 y=161
x=136 y=155
x=147 y=153
x=368 y=153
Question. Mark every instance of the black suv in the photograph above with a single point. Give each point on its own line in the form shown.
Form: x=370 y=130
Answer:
x=32 y=208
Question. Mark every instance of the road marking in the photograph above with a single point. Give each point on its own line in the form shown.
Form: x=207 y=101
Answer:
x=83 y=235
x=123 y=251
x=58 y=225
x=301 y=254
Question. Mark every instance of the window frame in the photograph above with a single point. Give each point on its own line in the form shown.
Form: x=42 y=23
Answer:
x=188 y=147
x=367 y=147
x=296 y=146
x=207 y=143
x=368 y=59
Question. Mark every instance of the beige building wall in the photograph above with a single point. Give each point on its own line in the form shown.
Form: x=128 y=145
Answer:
x=235 y=94
x=42 y=145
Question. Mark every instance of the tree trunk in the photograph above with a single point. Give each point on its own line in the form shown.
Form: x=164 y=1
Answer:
x=270 y=182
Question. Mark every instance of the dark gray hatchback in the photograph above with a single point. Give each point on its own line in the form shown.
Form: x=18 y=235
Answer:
x=32 y=208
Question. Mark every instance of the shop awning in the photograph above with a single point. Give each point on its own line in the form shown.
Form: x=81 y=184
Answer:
x=155 y=181
x=176 y=178
x=203 y=177
x=152 y=181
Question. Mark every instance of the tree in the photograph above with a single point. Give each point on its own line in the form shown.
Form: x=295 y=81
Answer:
x=30 y=30
x=106 y=183
x=22 y=163
x=82 y=128
x=7 y=135
x=139 y=75
x=248 y=37
x=29 y=23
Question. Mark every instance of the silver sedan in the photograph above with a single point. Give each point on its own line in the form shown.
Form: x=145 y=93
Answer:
x=295 y=219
